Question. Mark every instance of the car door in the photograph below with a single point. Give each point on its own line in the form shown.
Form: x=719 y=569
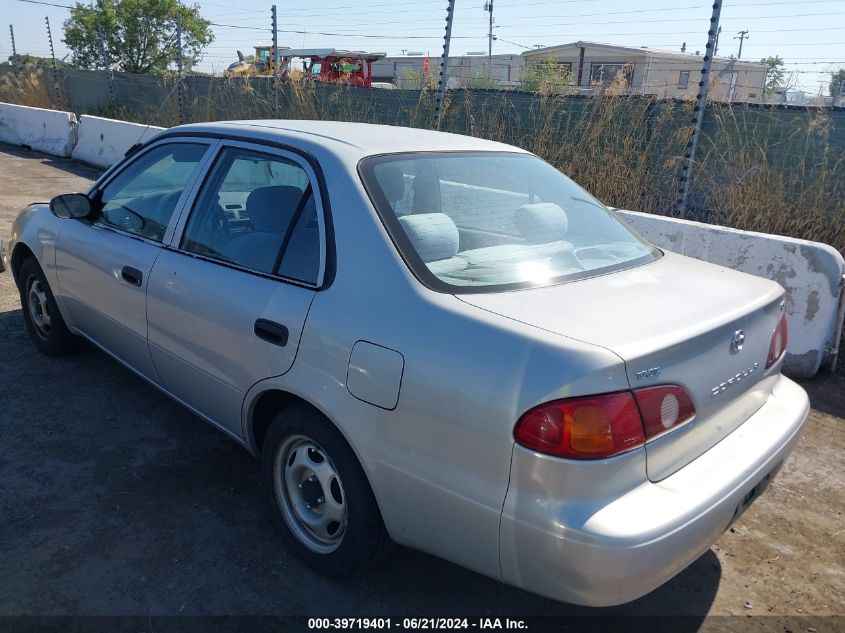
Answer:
x=103 y=265
x=227 y=301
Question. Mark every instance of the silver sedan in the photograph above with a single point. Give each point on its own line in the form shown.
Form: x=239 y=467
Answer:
x=427 y=339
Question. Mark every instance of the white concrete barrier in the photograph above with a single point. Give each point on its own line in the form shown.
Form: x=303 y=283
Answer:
x=102 y=142
x=48 y=131
x=812 y=274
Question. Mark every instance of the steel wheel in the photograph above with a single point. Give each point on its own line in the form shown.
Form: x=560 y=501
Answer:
x=44 y=322
x=39 y=310
x=310 y=494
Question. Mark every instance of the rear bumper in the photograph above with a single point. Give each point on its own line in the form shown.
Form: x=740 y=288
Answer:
x=611 y=545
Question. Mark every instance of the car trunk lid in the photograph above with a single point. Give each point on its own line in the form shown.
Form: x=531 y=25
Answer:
x=673 y=321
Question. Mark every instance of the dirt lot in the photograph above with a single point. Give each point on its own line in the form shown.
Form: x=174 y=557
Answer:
x=114 y=500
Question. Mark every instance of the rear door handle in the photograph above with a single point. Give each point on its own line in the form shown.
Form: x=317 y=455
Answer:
x=132 y=276
x=272 y=332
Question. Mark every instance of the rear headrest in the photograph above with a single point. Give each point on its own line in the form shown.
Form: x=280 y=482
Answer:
x=434 y=235
x=541 y=222
x=392 y=182
x=270 y=208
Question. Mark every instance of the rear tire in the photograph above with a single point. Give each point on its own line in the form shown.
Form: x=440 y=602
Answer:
x=43 y=320
x=322 y=500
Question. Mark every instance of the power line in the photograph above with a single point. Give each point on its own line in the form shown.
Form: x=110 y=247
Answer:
x=375 y=33
x=301 y=32
x=665 y=20
x=497 y=38
x=49 y=4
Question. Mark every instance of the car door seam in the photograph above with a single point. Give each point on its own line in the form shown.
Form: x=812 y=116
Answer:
x=147 y=311
x=502 y=509
x=244 y=403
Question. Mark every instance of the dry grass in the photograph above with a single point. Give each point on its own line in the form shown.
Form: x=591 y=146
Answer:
x=768 y=170
x=778 y=171
x=26 y=88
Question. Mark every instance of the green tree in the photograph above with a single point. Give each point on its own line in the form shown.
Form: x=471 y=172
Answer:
x=837 y=79
x=140 y=35
x=775 y=74
x=547 y=77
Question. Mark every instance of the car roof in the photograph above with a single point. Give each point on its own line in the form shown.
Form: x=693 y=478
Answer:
x=363 y=139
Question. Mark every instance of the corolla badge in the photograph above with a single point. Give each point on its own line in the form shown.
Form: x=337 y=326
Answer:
x=736 y=378
x=737 y=341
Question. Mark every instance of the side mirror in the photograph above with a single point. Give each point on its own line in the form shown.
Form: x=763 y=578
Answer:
x=71 y=205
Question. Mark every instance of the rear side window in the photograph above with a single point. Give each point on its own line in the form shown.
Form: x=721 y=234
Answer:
x=141 y=198
x=258 y=212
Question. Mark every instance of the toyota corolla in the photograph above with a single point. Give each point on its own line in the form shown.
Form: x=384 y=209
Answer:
x=427 y=339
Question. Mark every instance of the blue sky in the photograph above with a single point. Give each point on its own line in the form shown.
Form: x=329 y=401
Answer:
x=808 y=34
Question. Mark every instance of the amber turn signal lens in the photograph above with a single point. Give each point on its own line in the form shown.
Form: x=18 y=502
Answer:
x=589 y=427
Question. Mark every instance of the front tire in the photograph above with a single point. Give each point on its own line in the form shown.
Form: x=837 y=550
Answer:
x=328 y=514
x=43 y=320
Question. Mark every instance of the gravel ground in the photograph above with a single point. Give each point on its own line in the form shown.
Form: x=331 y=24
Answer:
x=115 y=501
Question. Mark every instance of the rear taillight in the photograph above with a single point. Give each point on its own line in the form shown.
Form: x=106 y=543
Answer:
x=780 y=338
x=590 y=427
x=594 y=427
x=663 y=408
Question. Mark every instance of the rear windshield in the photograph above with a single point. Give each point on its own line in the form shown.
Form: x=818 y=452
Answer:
x=485 y=221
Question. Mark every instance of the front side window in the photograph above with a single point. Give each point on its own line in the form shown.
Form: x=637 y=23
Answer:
x=141 y=199
x=257 y=211
x=482 y=221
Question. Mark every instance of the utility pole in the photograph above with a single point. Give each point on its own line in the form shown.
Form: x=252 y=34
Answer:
x=698 y=117
x=104 y=60
x=444 y=65
x=716 y=45
x=55 y=65
x=742 y=36
x=275 y=62
x=488 y=6
x=180 y=87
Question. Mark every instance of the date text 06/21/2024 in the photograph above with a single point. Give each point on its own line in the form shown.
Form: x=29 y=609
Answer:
x=416 y=623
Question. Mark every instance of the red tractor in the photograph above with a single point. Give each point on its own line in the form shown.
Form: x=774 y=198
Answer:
x=329 y=64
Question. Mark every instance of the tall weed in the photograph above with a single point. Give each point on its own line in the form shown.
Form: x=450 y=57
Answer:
x=762 y=169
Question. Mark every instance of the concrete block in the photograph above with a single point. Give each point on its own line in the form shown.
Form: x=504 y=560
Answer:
x=810 y=272
x=49 y=131
x=102 y=142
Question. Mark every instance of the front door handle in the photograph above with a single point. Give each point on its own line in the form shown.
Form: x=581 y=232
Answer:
x=132 y=276
x=272 y=332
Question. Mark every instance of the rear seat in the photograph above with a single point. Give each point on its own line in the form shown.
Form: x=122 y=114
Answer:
x=542 y=225
x=435 y=238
